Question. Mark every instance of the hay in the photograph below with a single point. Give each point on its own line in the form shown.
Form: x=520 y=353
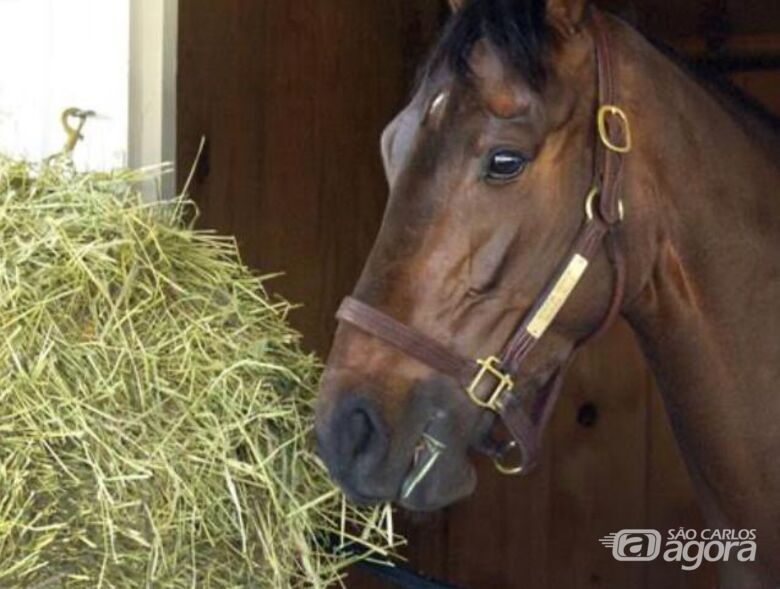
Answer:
x=155 y=405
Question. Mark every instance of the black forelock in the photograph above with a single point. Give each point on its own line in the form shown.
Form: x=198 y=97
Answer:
x=515 y=28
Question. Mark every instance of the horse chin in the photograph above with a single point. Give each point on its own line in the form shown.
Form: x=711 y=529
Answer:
x=452 y=480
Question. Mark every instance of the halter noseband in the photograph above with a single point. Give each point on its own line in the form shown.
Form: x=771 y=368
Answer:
x=490 y=382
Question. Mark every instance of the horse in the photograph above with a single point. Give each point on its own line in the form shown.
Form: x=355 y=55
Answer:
x=555 y=169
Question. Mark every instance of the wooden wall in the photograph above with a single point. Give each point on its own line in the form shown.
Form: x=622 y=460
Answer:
x=292 y=96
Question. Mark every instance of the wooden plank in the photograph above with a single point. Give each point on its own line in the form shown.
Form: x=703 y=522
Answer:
x=599 y=443
x=673 y=19
x=292 y=97
x=764 y=86
x=498 y=538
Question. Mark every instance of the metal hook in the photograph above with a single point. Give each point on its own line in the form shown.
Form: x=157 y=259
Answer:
x=74 y=133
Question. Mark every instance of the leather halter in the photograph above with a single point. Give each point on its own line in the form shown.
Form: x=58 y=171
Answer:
x=490 y=382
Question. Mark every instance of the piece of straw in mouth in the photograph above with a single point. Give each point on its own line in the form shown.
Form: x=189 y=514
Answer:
x=427 y=455
x=157 y=407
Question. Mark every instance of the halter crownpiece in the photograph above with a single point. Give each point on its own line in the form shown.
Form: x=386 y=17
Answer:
x=490 y=382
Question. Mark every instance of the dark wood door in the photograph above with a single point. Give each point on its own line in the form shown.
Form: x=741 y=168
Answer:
x=292 y=97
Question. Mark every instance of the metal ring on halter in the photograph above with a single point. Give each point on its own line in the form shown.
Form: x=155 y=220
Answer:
x=590 y=202
x=499 y=461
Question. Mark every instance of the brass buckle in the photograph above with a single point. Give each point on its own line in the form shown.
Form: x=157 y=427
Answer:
x=490 y=367
x=500 y=462
x=617 y=112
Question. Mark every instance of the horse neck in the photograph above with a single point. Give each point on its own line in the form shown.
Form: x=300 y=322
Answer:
x=703 y=241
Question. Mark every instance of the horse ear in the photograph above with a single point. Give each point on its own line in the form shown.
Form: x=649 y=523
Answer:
x=456 y=5
x=565 y=16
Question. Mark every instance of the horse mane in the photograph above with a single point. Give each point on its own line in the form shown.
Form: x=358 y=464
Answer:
x=518 y=30
x=515 y=28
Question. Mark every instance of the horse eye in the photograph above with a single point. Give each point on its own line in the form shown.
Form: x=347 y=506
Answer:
x=505 y=164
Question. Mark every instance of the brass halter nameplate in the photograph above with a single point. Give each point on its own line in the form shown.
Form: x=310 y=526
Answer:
x=558 y=296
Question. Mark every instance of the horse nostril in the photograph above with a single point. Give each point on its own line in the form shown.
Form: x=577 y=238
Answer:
x=358 y=432
x=359 y=435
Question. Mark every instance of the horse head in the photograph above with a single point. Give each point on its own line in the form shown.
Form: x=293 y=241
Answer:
x=498 y=171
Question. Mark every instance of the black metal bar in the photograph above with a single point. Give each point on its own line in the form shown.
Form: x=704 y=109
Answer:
x=734 y=62
x=402 y=577
x=394 y=573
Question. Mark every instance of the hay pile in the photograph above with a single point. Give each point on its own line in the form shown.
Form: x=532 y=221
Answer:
x=155 y=407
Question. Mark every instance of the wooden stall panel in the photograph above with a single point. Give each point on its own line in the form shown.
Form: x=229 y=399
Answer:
x=292 y=98
x=600 y=459
x=765 y=86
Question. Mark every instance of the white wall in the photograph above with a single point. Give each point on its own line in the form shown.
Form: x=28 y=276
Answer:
x=55 y=54
x=116 y=57
x=153 y=36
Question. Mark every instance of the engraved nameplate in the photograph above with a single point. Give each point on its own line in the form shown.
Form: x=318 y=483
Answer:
x=559 y=295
